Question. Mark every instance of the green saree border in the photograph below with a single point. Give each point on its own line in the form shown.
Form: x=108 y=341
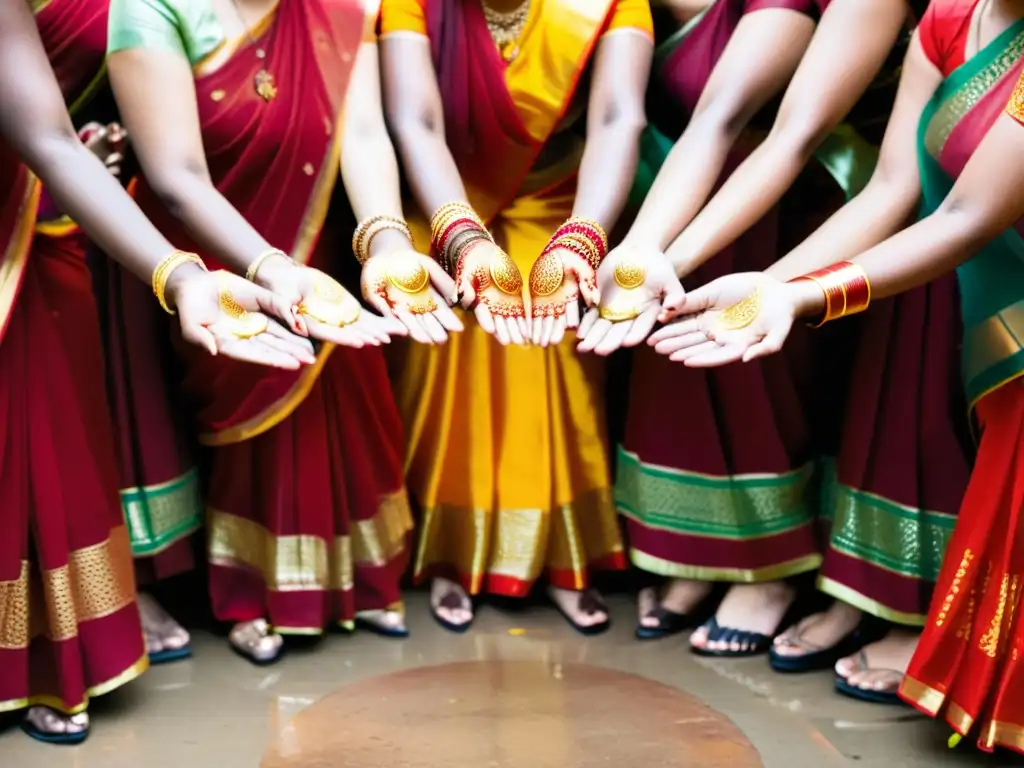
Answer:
x=730 y=507
x=867 y=605
x=904 y=540
x=160 y=515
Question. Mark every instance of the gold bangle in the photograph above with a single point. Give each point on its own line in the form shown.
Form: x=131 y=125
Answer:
x=447 y=213
x=593 y=225
x=163 y=271
x=370 y=228
x=254 y=267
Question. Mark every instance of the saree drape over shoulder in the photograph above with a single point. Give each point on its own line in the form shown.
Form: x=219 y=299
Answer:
x=507 y=456
x=967 y=667
x=69 y=625
x=307 y=513
x=715 y=470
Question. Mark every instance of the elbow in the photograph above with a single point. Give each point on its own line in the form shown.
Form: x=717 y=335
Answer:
x=624 y=121
x=723 y=121
x=966 y=220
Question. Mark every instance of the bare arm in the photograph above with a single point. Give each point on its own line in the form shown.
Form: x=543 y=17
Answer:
x=758 y=61
x=34 y=119
x=895 y=187
x=615 y=118
x=849 y=47
x=163 y=121
x=369 y=168
x=412 y=103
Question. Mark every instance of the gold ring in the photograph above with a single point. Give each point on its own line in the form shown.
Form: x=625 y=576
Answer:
x=742 y=313
x=505 y=275
x=408 y=275
x=547 y=275
x=618 y=314
x=241 y=323
x=629 y=273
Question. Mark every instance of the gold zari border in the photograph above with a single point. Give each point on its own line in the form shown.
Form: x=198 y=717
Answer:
x=662 y=567
x=868 y=605
x=55 y=703
x=307 y=562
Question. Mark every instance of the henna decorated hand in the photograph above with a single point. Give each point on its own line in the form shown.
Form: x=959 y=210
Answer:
x=491 y=285
x=636 y=288
x=415 y=290
x=556 y=281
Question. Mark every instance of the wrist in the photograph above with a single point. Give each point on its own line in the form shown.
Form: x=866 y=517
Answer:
x=273 y=267
x=808 y=298
x=389 y=241
x=177 y=281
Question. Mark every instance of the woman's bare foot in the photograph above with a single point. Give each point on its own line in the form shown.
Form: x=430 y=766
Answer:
x=49 y=722
x=880 y=667
x=161 y=631
x=583 y=609
x=756 y=608
x=256 y=641
x=385 y=622
x=680 y=596
x=819 y=631
x=450 y=603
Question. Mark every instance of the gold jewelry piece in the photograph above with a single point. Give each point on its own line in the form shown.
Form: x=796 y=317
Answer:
x=618 y=314
x=331 y=304
x=163 y=271
x=591 y=224
x=240 y=322
x=505 y=275
x=370 y=228
x=547 y=275
x=263 y=82
x=408 y=275
x=254 y=267
x=742 y=313
x=507 y=28
x=629 y=272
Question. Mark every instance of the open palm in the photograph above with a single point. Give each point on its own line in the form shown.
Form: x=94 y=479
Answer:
x=736 y=317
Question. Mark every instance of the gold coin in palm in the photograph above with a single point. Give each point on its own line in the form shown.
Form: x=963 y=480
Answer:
x=629 y=272
x=741 y=314
x=547 y=275
x=505 y=274
x=407 y=274
x=330 y=303
x=239 y=322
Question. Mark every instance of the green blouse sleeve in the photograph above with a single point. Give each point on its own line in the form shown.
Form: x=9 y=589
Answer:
x=188 y=27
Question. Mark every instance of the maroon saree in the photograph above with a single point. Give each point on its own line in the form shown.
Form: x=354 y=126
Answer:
x=69 y=625
x=718 y=486
x=307 y=512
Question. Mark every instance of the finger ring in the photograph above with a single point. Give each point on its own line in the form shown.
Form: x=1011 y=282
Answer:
x=618 y=314
x=240 y=323
x=547 y=275
x=408 y=275
x=505 y=275
x=742 y=313
x=629 y=272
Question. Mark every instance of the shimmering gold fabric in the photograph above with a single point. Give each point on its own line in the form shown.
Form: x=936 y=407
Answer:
x=14 y=611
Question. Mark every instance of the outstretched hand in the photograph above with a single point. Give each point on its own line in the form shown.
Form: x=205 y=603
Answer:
x=227 y=315
x=737 y=317
x=492 y=287
x=636 y=287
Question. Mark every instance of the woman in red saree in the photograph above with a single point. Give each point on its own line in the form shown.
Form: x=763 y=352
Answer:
x=307 y=517
x=718 y=488
x=960 y=71
x=507 y=456
x=69 y=625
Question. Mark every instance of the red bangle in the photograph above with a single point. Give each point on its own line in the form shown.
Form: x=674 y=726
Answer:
x=846 y=287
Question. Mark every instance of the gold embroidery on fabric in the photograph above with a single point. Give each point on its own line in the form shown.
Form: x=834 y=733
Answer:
x=989 y=643
x=966 y=97
x=62 y=622
x=954 y=590
x=14 y=611
x=103 y=576
x=307 y=562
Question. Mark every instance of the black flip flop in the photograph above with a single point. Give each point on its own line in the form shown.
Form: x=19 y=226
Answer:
x=669 y=623
x=757 y=642
x=451 y=600
x=816 y=660
x=593 y=606
x=844 y=687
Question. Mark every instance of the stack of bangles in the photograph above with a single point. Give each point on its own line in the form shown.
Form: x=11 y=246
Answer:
x=582 y=236
x=370 y=228
x=454 y=228
x=846 y=287
x=163 y=271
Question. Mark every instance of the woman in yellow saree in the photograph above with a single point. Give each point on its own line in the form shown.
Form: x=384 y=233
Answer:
x=507 y=458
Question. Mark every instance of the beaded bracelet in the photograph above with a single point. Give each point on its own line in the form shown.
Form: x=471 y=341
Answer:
x=583 y=236
x=370 y=228
x=453 y=228
x=846 y=287
x=163 y=271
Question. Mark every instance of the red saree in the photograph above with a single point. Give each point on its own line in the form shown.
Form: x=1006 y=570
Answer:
x=69 y=626
x=307 y=513
x=718 y=487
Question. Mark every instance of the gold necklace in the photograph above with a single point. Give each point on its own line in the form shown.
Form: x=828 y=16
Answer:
x=506 y=28
x=263 y=82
